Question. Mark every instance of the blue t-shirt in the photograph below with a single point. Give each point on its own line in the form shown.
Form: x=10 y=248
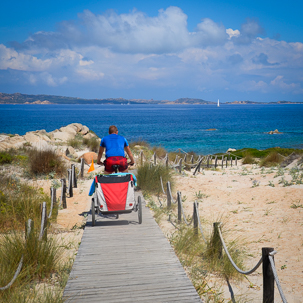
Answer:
x=114 y=145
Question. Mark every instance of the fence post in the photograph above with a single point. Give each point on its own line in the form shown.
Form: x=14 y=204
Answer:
x=216 y=245
x=268 y=277
x=216 y=161
x=179 y=207
x=29 y=229
x=168 y=194
x=226 y=161
x=155 y=159
x=195 y=216
x=74 y=177
x=63 y=193
x=222 y=160
x=70 y=185
x=185 y=157
x=43 y=230
x=192 y=159
x=82 y=168
x=166 y=160
x=236 y=160
x=207 y=162
x=231 y=161
x=180 y=165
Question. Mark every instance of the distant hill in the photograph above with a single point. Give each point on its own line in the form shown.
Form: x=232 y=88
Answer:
x=18 y=98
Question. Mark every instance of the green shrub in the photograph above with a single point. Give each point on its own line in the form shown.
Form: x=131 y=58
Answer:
x=149 y=177
x=248 y=158
x=272 y=159
x=5 y=157
x=45 y=162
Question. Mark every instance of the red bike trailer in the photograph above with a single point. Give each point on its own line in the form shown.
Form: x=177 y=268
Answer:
x=114 y=195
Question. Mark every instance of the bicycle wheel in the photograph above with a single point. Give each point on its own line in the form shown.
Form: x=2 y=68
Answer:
x=93 y=212
x=139 y=210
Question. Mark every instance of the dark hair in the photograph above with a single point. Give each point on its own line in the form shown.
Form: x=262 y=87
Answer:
x=112 y=129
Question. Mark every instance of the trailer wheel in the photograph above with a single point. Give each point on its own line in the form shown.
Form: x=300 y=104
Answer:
x=139 y=210
x=93 y=212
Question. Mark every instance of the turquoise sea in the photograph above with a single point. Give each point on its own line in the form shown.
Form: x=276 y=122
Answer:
x=172 y=126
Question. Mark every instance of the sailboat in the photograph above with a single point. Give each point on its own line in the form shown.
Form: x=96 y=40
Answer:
x=218 y=104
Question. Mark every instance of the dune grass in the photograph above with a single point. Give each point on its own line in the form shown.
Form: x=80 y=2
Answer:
x=41 y=261
x=44 y=162
x=92 y=143
x=272 y=159
x=20 y=202
x=148 y=177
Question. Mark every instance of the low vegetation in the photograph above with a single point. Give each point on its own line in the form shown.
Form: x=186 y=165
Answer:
x=20 y=202
x=149 y=177
x=271 y=159
x=45 y=162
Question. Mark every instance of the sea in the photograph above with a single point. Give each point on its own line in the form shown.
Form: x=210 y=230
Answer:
x=204 y=129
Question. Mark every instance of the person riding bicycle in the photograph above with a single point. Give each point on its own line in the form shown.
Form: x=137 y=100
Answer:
x=114 y=146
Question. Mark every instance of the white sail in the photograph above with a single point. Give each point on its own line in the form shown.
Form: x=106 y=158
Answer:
x=218 y=103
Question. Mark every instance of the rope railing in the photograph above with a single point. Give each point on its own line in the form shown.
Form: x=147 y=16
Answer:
x=200 y=226
x=231 y=260
x=272 y=263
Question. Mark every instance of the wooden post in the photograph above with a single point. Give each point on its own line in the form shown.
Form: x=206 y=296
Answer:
x=179 y=207
x=155 y=159
x=43 y=212
x=207 y=162
x=216 y=161
x=70 y=185
x=180 y=165
x=82 y=168
x=29 y=229
x=63 y=193
x=74 y=176
x=236 y=160
x=268 y=277
x=231 y=161
x=192 y=159
x=226 y=161
x=166 y=160
x=222 y=160
x=185 y=157
x=197 y=167
x=168 y=194
x=195 y=215
x=216 y=245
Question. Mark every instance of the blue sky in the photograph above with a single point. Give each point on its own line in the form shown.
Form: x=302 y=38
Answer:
x=240 y=50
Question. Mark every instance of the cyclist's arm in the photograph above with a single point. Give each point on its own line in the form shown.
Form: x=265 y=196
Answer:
x=130 y=155
x=101 y=150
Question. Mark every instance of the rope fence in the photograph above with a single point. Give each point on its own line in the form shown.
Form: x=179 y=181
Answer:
x=267 y=259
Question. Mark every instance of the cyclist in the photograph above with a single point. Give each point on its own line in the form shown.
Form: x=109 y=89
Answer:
x=114 y=146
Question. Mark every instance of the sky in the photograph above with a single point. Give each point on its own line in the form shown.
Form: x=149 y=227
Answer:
x=161 y=50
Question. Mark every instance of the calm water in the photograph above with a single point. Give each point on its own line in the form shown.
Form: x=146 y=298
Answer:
x=172 y=126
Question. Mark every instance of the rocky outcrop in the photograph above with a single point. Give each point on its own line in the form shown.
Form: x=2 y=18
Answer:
x=273 y=132
x=88 y=157
x=41 y=139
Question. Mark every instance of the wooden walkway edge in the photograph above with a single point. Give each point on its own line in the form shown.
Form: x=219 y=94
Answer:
x=120 y=260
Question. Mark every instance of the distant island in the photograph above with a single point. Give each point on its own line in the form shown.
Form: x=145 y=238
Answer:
x=18 y=98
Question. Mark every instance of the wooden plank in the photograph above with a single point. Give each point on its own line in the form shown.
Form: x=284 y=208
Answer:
x=120 y=260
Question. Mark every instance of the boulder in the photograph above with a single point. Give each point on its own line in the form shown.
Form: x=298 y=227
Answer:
x=231 y=150
x=62 y=136
x=72 y=129
x=12 y=142
x=273 y=132
x=84 y=130
x=42 y=145
x=36 y=136
x=89 y=136
x=89 y=156
x=70 y=150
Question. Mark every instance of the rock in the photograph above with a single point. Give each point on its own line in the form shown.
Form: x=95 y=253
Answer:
x=69 y=150
x=84 y=130
x=12 y=142
x=211 y=129
x=231 y=150
x=42 y=145
x=273 y=132
x=89 y=156
x=72 y=129
x=63 y=136
x=89 y=136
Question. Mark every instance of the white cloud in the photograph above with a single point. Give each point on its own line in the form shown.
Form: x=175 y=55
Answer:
x=135 y=50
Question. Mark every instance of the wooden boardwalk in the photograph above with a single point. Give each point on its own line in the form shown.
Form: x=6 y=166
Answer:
x=122 y=261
